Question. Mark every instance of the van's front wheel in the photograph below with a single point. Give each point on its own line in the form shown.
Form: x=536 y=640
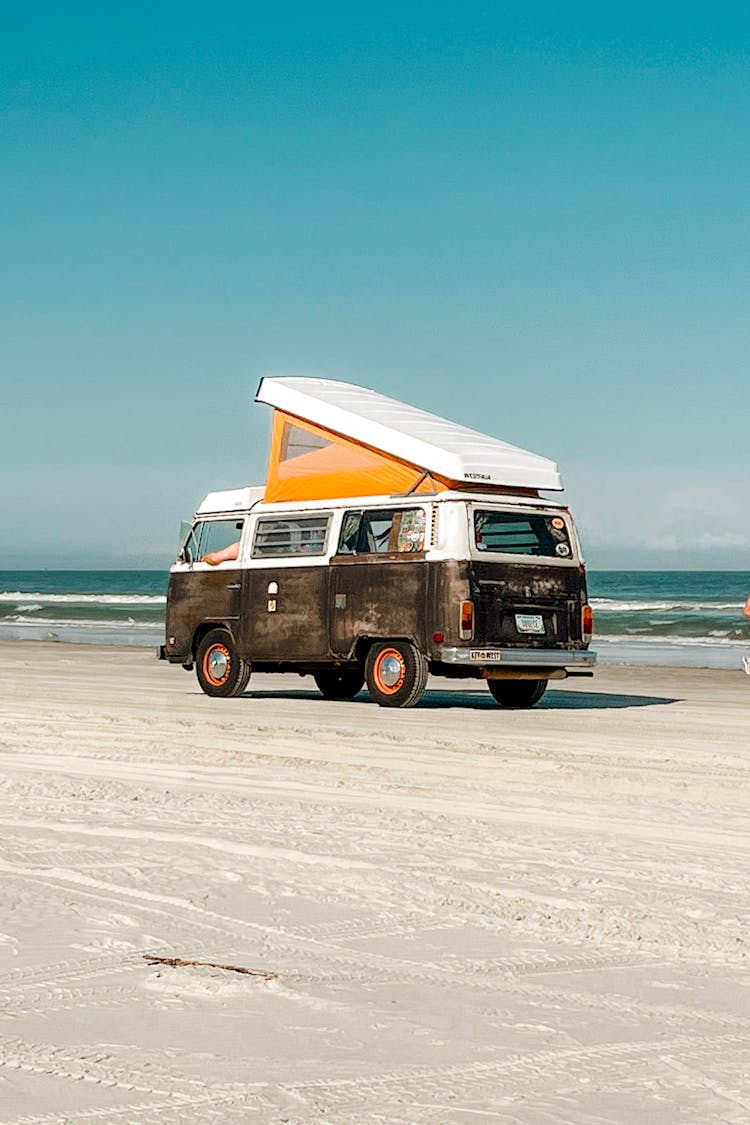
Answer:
x=517 y=693
x=339 y=683
x=396 y=674
x=219 y=668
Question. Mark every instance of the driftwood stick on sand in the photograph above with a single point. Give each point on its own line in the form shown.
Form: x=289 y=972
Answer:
x=179 y=962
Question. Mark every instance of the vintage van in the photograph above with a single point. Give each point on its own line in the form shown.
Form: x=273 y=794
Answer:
x=436 y=573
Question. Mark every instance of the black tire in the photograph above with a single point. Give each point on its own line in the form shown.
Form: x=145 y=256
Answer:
x=340 y=683
x=221 y=671
x=396 y=674
x=517 y=693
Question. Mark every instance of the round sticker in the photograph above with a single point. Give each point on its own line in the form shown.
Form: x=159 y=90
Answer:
x=562 y=549
x=558 y=523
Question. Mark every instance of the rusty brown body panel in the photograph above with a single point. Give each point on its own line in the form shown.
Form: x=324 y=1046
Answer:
x=448 y=588
x=386 y=598
x=321 y=615
x=501 y=590
x=289 y=625
x=201 y=597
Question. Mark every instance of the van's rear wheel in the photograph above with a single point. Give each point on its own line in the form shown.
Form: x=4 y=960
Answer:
x=517 y=693
x=220 y=670
x=339 y=683
x=396 y=674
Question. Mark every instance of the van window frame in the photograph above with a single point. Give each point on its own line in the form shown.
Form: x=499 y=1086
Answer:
x=521 y=557
x=190 y=553
x=382 y=556
x=291 y=555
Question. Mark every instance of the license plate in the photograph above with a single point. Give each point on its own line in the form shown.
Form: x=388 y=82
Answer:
x=529 y=623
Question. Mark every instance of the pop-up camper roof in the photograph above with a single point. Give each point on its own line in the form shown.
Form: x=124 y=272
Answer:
x=334 y=439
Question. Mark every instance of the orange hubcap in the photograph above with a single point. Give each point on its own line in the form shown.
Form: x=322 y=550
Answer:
x=389 y=671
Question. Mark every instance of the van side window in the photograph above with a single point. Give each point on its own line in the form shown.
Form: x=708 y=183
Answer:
x=280 y=536
x=212 y=535
x=383 y=532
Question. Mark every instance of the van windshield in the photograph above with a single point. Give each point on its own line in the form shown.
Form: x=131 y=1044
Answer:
x=522 y=533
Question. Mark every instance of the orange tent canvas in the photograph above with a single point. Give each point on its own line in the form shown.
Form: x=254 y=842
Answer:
x=308 y=462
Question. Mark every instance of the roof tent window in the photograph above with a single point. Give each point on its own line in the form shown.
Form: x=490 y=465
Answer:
x=295 y=442
x=513 y=533
x=278 y=537
x=386 y=531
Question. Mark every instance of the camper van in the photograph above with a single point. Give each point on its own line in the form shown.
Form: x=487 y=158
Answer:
x=386 y=545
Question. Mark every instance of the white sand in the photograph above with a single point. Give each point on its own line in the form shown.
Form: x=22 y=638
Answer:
x=459 y=914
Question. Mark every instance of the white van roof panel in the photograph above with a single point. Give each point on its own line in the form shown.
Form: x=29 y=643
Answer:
x=230 y=500
x=413 y=435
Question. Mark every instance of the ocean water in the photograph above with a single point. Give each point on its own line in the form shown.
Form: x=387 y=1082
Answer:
x=688 y=618
x=109 y=607
x=684 y=618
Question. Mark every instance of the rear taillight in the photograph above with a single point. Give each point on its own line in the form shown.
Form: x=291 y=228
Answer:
x=587 y=622
x=466 y=621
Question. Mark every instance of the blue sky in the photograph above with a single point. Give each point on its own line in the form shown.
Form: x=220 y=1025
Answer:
x=533 y=220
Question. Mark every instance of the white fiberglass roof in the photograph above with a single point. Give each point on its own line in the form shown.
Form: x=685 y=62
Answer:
x=231 y=500
x=433 y=443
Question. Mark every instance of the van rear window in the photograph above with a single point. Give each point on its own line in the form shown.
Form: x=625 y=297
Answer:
x=279 y=536
x=522 y=533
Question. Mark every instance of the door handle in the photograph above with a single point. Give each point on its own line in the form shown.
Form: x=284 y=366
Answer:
x=233 y=586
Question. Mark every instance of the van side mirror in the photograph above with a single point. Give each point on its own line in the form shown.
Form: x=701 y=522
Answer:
x=185 y=555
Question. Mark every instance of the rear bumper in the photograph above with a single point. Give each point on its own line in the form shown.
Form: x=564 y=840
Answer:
x=518 y=658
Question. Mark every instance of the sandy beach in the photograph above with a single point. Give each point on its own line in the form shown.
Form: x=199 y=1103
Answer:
x=449 y=914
